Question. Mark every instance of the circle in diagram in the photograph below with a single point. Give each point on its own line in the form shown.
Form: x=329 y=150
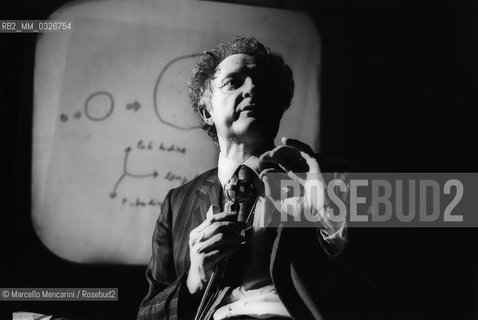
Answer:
x=99 y=106
x=171 y=98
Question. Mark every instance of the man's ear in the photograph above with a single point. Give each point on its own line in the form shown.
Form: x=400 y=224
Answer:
x=205 y=115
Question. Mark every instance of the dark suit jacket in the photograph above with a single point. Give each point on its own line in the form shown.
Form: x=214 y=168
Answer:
x=310 y=281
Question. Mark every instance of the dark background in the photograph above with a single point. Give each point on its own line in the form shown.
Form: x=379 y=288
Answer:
x=398 y=90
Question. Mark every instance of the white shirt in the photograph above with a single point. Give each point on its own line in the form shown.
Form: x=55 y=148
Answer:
x=257 y=296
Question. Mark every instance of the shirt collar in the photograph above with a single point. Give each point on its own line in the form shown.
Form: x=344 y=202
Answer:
x=227 y=167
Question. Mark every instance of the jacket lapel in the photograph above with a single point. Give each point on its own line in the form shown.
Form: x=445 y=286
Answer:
x=209 y=194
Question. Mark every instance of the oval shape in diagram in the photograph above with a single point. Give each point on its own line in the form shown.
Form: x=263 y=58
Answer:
x=171 y=94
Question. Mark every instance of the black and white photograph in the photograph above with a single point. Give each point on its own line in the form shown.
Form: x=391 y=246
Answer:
x=239 y=159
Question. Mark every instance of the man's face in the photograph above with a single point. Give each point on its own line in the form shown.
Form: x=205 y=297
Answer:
x=241 y=99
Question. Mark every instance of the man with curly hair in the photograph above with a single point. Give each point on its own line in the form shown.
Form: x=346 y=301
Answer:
x=240 y=90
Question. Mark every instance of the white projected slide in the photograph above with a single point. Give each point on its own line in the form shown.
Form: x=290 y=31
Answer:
x=113 y=127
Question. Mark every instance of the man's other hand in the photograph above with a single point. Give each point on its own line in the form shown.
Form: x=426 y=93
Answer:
x=299 y=163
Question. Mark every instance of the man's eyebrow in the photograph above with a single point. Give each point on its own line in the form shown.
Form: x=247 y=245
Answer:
x=226 y=75
x=235 y=72
x=232 y=73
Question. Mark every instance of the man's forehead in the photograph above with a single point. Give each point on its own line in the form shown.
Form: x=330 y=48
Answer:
x=235 y=63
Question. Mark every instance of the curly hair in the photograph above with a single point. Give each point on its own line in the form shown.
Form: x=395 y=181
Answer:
x=205 y=69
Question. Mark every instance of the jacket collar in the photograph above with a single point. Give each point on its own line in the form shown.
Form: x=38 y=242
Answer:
x=210 y=195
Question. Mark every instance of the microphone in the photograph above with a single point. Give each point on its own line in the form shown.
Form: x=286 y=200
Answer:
x=238 y=191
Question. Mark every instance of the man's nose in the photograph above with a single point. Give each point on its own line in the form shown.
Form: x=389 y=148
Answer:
x=249 y=87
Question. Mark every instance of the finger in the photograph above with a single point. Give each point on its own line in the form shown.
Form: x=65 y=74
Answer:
x=266 y=156
x=222 y=227
x=299 y=145
x=288 y=158
x=273 y=159
x=265 y=172
x=311 y=162
x=218 y=241
x=304 y=160
x=222 y=216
